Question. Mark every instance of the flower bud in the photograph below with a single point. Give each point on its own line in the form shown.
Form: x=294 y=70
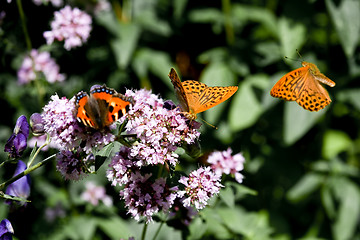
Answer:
x=6 y=230
x=37 y=124
x=17 y=142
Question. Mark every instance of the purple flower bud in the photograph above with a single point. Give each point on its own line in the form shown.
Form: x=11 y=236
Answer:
x=21 y=187
x=6 y=230
x=16 y=144
x=37 y=124
x=169 y=105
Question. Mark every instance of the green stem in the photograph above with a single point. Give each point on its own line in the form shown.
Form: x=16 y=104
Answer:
x=229 y=30
x=26 y=172
x=23 y=20
x=143 y=234
x=158 y=230
x=6 y=161
x=38 y=150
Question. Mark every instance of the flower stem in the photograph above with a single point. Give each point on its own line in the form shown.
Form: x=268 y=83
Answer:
x=23 y=20
x=158 y=230
x=6 y=161
x=229 y=29
x=26 y=172
x=38 y=150
x=143 y=234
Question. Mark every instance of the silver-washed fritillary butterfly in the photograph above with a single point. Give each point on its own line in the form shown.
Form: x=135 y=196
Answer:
x=195 y=97
x=303 y=85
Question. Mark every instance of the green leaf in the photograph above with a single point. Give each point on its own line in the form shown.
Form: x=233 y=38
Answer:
x=266 y=17
x=305 y=186
x=157 y=62
x=291 y=35
x=350 y=95
x=227 y=195
x=124 y=46
x=9 y=197
x=346 y=18
x=80 y=228
x=114 y=227
x=269 y=51
x=297 y=121
x=328 y=202
x=218 y=54
x=335 y=142
x=206 y=15
x=349 y=209
x=214 y=224
x=245 y=108
x=102 y=155
x=179 y=7
x=197 y=228
x=241 y=190
x=253 y=226
x=109 y=21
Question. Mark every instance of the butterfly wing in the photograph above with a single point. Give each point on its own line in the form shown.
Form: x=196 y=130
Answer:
x=179 y=90
x=81 y=114
x=313 y=95
x=113 y=104
x=290 y=85
x=202 y=97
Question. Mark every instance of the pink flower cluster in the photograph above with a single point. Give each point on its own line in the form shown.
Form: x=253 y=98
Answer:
x=94 y=194
x=39 y=63
x=153 y=130
x=55 y=3
x=71 y=25
x=224 y=163
x=144 y=196
x=200 y=186
x=158 y=131
x=67 y=134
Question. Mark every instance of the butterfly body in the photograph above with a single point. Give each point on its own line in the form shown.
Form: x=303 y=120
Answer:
x=101 y=108
x=195 y=97
x=303 y=85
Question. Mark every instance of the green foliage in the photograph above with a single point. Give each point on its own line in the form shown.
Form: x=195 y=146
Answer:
x=302 y=168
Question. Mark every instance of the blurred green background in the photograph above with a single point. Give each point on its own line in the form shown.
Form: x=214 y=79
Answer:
x=302 y=168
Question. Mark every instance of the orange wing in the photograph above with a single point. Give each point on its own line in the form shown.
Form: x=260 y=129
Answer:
x=101 y=108
x=202 y=97
x=303 y=86
x=179 y=90
x=290 y=85
x=195 y=97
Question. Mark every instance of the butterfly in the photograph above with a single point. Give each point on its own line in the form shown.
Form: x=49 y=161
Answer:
x=196 y=97
x=303 y=85
x=103 y=107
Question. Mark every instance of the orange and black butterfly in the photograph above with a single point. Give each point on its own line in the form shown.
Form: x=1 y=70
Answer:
x=195 y=97
x=303 y=85
x=103 y=107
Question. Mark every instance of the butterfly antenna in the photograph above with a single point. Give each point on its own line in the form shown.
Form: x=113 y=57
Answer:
x=293 y=59
x=209 y=124
x=297 y=51
x=296 y=60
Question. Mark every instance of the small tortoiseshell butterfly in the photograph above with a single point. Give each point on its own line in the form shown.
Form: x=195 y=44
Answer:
x=103 y=107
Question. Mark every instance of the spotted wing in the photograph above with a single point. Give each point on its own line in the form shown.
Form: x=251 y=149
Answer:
x=313 y=96
x=202 y=97
x=290 y=85
x=179 y=90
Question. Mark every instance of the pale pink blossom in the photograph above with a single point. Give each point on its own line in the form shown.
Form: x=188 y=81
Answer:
x=94 y=194
x=55 y=3
x=71 y=25
x=224 y=163
x=38 y=63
